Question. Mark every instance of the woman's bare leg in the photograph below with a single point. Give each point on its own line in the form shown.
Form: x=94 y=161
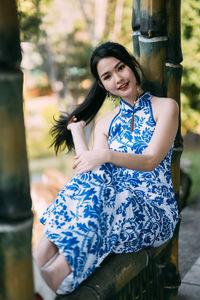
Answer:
x=44 y=251
x=56 y=272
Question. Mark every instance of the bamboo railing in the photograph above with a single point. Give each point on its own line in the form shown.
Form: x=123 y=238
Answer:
x=15 y=204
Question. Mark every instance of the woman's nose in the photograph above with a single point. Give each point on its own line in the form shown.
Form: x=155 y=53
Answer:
x=117 y=78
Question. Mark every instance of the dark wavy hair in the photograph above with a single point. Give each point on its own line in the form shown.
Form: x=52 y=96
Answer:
x=88 y=109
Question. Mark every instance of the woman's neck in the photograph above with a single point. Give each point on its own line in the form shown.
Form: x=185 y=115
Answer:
x=134 y=98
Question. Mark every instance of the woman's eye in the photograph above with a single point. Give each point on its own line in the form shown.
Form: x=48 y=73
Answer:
x=106 y=77
x=121 y=67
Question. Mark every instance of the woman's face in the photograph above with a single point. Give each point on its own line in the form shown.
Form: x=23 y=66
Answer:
x=117 y=78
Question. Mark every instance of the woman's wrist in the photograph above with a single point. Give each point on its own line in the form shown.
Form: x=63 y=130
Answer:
x=76 y=128
x=108 y=154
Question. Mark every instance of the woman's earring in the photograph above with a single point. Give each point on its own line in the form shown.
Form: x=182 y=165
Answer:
x=137 y=92
x=110 y=98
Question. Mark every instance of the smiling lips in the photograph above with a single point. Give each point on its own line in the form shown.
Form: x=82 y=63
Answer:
x=124 y=86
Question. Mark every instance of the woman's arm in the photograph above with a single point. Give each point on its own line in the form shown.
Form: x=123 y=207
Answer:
x=166 y=116
x=161 y=141
x=101 y=135
x=101 y=130
x=77 y=131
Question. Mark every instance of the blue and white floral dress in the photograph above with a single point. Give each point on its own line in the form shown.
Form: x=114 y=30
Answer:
x=113 y=209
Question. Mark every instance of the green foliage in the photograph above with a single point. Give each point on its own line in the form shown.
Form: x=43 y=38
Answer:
x=39 y=138
x=29 y=18
x=189 y=116
x=194 y=173
x=125 y=36
x=64 y=52
x=191 y=65
x=110 y=19
x=74 y=67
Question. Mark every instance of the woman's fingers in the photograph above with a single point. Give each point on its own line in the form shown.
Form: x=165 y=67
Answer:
x=80 y=166
x=75 y=164
x=77 y=161
x=72 y=120
x=82 y=169
x=87 y=161
x=83 y=123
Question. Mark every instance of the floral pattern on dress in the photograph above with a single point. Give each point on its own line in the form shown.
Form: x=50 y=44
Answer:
x=112 y=209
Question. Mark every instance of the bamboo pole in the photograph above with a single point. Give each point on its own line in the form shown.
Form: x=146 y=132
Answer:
x=15 y=205
x=152 y=60
x=158 y=46
x=10 y=54
x=136 y=15
x=152 y=18
x=136 y=28
x=173 y=85
x=152 y=45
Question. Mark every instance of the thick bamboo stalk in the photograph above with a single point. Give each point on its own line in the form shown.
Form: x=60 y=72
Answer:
x=136 y=44
x=15 y=259
x=15 y=204
x=136 y=15
x=149 y=24
x=174 y=53
x=173 y=84
x=173 y=80
x=152 y=18
x=171 y=273
x=10 y=54
x=152 y=60
x=14 y=177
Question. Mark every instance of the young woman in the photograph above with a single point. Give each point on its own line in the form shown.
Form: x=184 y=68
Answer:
x=121 y=198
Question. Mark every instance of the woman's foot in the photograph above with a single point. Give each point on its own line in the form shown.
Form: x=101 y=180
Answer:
x=56 y=272
x=42 y=290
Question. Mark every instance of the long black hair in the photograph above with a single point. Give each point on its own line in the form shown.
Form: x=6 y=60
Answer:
x=87 y=110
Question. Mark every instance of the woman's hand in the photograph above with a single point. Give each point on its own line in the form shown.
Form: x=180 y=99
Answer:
x=89 y=160
x=73 y=124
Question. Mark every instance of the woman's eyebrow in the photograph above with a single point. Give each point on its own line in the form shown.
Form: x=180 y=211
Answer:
x=115 y=67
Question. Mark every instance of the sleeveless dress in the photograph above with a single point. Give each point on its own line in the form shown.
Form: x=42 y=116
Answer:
x=112 y=209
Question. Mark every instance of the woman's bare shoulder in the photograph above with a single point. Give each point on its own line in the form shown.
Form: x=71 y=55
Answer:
x=108 y=117
x=163 y=105
x=164 y=101
x=104 y=122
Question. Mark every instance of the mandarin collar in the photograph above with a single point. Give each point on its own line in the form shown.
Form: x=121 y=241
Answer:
x=139 y=103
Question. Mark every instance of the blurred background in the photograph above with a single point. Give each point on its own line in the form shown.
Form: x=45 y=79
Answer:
x=58 y=37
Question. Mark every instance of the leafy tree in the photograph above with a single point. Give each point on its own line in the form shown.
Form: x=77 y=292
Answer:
x=30 y=18
x=64 y=52
x=191 y=65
